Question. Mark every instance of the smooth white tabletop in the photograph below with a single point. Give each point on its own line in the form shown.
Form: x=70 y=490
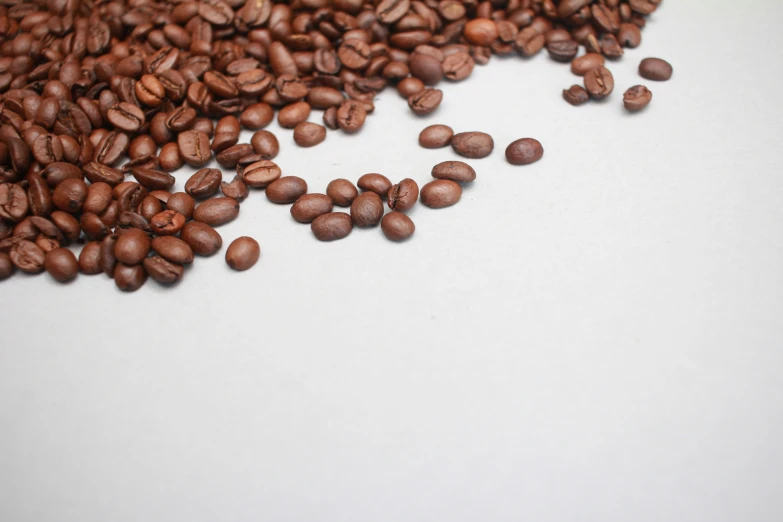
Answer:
x=596 y=337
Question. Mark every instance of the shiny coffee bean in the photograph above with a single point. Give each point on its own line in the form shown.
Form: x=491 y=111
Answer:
x=309 y=206
x=61 y=264
x=167 y=223
x=216 y=211
x=204 y=183
x=129 y=278
x=435 y=136
x=599 y=82
x=454 y=171
x=132 y=246
x=162 y=270
x=90 y=258
x=396 y=226
x=655 y=69
x=194 y=148
x=524 y=151
x=342 y=192
x=403 y=195
x=243 y=253
x=637 y=98
x=440 y=193
x=202 y=238
x=182 y=203
x=472 y=144
x=286 y=189
x=308 y=134
x=377 y=183
x=331 y=226
x=265 y=143
x=173 y=249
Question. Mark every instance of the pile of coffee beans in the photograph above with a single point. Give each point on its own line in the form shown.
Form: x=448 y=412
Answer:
x=100 y=101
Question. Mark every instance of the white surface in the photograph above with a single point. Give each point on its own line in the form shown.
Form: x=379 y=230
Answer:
x=596 y=337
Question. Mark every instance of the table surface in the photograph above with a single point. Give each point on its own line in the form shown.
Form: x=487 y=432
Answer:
x=595 y=337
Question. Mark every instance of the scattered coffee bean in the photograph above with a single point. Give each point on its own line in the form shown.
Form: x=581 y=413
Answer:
x=524 y=151
x=204 y=183
x=163 y=271
x=472 y=144
x=403 y=195
x=202 y=238
x=61 y=264
x=342 y=192
x=440 y=193
x=216 y=211
x=637 y=98
x=173 y=249
x=580 y=66
x=377 y=183
x=309 y=206
x=331 y=226
x=308 y=134
x=599 y=82
x=261 y=173
x=454 y=171
x=266 y=144
x=167 y=223
x=194 y=148
x=129 y=278
x=367 y=210
x=435 y=136
x=396 y=226
x=182 y=203
x=286 y=189
x=426 y=101
x=132 y=246
x=655 y=69
x=243 y=253
x=6 y=266
x=236 y=189
x=576 y=95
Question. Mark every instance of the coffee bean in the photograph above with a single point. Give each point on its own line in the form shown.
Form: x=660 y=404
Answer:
x=367 y=210
x=173 y=249
x=93 y=227
x=132 y=246
x=629 y=35
x=403 y=195
x=331 y=226
x=435 y=136
x=14 y=203
x=426 y=68
x=169 y=158
x=6 y=266
x=440 y=193
x=149 y=207
x=90 y=258
x=107 y=259
x=342 y=192
x=150 y=91
x=576 y=95
x=324 y=97
x=216 y=211
x=181 y=119
x=292 y=115
x=389 y=11
x=637 y=98
x=454 y=171
x=153 y=179
x=351 y=116
x=236 y=189
x=68 y=225
x=396 y=226
x=481 y=31
x=655 y=69
x=426 y=101
x=202 y=238
x=204 y=183
x=163 y=271
x=243 y=253
x=96 y=173
x=126 y=116
x=27 y=257
x=286 y=189
x=182 y=203
x=377 y=183
x=167 y=223
x=563 y=51
x=69 y=196
x=111 y=148
x=261 y=173
x=129 y=278
x=194 y=148
x=599 y=82
x=142 y=147
x=47 y=149
x=410 y=86
x=266 y=144
x=61 y=264
x=308 y=134
x=472 y=144
x=257 y=116
x=39 y=195
x=580 y=66
x=309 y=206
x=524 y=151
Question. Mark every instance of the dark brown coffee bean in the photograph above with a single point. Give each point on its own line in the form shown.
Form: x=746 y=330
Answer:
x=599 y=82
x=93 y=227
x=204 y=183
x=153 y=179
x=149 y=207
x=182 y=203
x=220 y=84
x=629 y=35
x=426 y=68
x=243 y=253
x=292 y=115
x=47 y=149
x=308 y=134
x=265 y=143
x=637 y=98
x=107 y=259
x=257 y=116
x=129 y=278
x=286 y=189
x=181 y=119
x=167 y=223
x=90 y=258
x=126 y=116
x=229 y=157
x=39 y=195
x=132 y=246
x=644 y=7
x=309 y=206
x=342 y=192
x=130 y=219
x=351 y=116
x=524 y=151
x=472 y=144
x=426 y=101
x=377 y=183
x=202 y=238
x=173 y=249
x=563 y=51
x=324 y=97
x=61 y=264
x=331 y=226
x=580 y=66
x=163 y=271
x=150 y=91
x=281 y=60
x=655 y=69
x=458 y=66
x=403 y=195
x=111 y=148
x=6 y=266
x=217 y=211
x=440 y=193
x=99 y=173
x=194 y=148
x=396 y=226
x=354 y=54
x=169 y=158
x=390 y=11
x=27 y=257
x=435 y=136
x=14 y=203
x=576 y=95
x=68 y=225
x=69 y=195
x=367 y=210
x=142 y=147
x=481 y=31
x=19 y=153
x=454 y=171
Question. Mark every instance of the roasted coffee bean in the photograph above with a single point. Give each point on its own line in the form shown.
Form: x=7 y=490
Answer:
x=69 y=196
x=107 y=259
x=576 y=95
x=68 y=225
x=132 y=246
x=163 y=271
x=435 y=136
x=481 y=31
x=150 y=91
x=126 y=116
x=27 y=257
x=93 y=227
x=149 y=207
x=230 y=156
x=243 y=253
x=181 y=119
x=563 y=51
x=396 y=226
x=309 y=206
x=390 y=11
x=97 y=172
x=202 y=238
x=351 y=116
x=14 y=203
x=292 y=115
x=257 y=116
x=194 y=148
x=19 y=153
x=6 y=266
x=236 y=189
x=410 y=86
x=129 y=219
x=182 y=203
x=153 y=179
x=265 y=143
x=367 y=210
x=377 y=183
x=111 y=148
x=173 y=249
x=637 y=98
x=286 y=189
x=216 y=211
x=142 y=147
x=129 y=278
x=629 y=35
x=167 y=223
x=331 y=226
x=308 y=134
x=342 y=192
x=39 y=195
x=440 y=193
x=655 y=69
x=426 y=68
x=454 y=171
x=261 y=173
x=426 y=101
x=599 y=82
x=47 y=149
x=524 y=151
x=472 y=144
x=204 y=183
x=61 y=264
x=403 y=195
x=580 y=66
x=90 y=258
x=324 y=97
x=169 y=158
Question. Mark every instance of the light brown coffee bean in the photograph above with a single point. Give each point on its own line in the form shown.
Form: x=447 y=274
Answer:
x=202 y=238
x=216 y=211
x=331 y=226
x=403 y=195
x=342 y=192
x=367 y=210
x=473 y=144
x=243 y=253
x=286 y=189
x=440 y=193
x=309 y=206
x=454 y=171
x=396 y=226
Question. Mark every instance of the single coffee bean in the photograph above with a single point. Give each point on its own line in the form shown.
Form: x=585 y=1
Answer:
x=580 y=66
x=107 y=259
x=563 y=51
x=454 y=171
x=330 y=118
x=257 y=116
x=351 y=116
x=194 y=148
x=216 y=211
x=629 y=35
x=324 y=97
x=111 y=148
x=396 y=226
x=377 y=183
x=576 y=95
x=458 y=66
x=331 y=226
x=61 y=264
x=182 y=203
x=481 y=31
x=236 y=189
x=163 y=271
x=129 y=278
x=169 y=158
x=367 y=210
x=93 y=227
x=173 y=249
x=292 y=115
x=126 y=116
x=426 y=101
x=97 y=172
x=204 y=183
x=243 y=253
x=403 y=195
x=202 y=238
x=426 y=68
x=390 y=11
x=524 y=151
x=132 y=246
x=40 y=196
x=410 y=86
x=342 y=192
x=129 y=219
x=440 y=193
x=610 y=47
x=309 y=206
x=14 y=203
x=69 y=196
x=472 y=144
x=90 y=258
x=68 y=225
x=435 y=136
x=167 y=223
x=637 y=98
x=308 y=134
x=27 y=257
x=6 y=266
x=153 y=179
x=599 y=82
x=149 y=207
x=230 y=156
x=181 y=119
x=266 y=144
x=47 y=149
x=286 y=189
x=655 y=69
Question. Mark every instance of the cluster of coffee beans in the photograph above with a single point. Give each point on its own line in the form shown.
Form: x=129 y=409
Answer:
x=92 y=93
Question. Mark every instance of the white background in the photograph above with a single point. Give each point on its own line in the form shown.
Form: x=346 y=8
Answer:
x=596 y=337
